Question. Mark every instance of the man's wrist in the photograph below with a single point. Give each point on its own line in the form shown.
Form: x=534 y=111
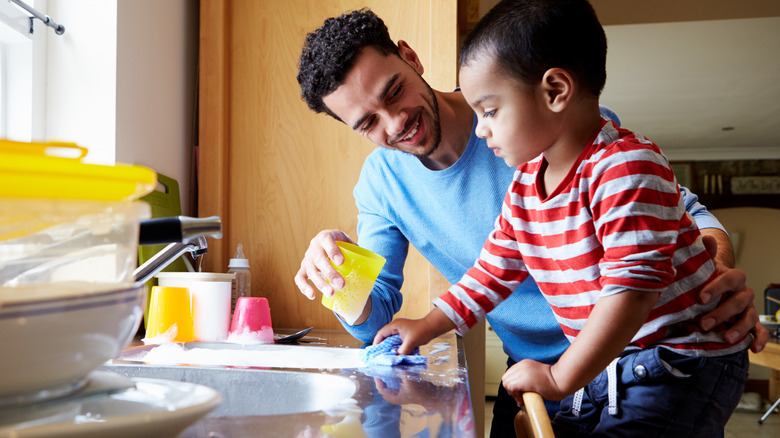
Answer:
x=724 y=258
x=366 y=313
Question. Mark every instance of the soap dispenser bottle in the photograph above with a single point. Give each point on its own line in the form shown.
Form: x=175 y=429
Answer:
x=242 y=282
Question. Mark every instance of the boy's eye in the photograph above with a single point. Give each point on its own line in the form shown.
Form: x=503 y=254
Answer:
x=490 y=113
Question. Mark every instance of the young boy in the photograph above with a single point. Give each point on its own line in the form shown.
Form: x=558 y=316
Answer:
x=594 y=215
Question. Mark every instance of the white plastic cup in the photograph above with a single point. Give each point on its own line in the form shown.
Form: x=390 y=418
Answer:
x=211 y=296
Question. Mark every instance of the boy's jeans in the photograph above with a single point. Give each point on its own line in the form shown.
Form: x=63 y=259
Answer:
x=694 y=401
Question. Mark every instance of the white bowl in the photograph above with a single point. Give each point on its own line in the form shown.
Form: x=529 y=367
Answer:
x=49 y=346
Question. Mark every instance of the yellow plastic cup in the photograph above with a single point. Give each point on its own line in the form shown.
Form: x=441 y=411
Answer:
x=349 y=427
x=170 y=315
x=360 y=269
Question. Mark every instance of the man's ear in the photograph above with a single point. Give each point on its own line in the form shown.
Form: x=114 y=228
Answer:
x=558 y=88
x=410 y=56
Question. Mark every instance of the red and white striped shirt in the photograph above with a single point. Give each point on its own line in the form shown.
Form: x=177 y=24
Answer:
x=616 y=222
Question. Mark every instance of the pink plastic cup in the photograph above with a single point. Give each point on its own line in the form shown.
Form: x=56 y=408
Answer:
x=251 y=322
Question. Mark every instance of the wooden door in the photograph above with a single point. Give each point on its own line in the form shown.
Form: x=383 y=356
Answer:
x=273 y=170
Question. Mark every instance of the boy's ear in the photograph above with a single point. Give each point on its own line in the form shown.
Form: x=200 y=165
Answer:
x=558 y=87
x=410 y=56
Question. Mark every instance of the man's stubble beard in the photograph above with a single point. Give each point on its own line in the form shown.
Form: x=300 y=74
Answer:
x=436 y=140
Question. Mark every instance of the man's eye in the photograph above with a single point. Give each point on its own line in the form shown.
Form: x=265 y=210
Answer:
x=397 y=91
x=366 y=126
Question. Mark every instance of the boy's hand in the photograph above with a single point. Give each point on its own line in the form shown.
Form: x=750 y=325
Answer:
x=416 y=332
x=736 y=300
x=531 y=376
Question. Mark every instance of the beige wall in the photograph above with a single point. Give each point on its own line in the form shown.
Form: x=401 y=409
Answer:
x=78 y=77
x=156 y=68
x=121 y=81
x=755 y=232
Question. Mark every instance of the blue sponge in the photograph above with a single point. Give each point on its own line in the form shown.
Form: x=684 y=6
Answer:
x=386 y=353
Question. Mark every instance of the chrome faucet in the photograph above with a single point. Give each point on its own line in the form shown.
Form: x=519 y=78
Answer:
x=192 y=240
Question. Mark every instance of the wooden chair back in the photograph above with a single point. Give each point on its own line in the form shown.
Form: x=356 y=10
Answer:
x=532 y=421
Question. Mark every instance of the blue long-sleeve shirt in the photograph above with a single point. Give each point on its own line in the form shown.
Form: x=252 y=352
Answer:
x=447 y=215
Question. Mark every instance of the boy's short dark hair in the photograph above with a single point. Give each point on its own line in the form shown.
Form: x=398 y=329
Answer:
x=528 y=37
x=328 y=53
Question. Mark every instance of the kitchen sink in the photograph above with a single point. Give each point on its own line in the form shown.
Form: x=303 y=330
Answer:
x=249 y=392
x=254 y=380
x=315 y=387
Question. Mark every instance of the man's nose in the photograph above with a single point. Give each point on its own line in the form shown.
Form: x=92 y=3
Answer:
x=396 y=122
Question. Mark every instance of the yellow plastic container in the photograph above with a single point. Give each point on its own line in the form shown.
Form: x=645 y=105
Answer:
x=40 y=171
x=66 y=221
x=360 y=269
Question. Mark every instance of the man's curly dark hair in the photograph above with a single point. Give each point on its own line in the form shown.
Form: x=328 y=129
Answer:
x=329 y=52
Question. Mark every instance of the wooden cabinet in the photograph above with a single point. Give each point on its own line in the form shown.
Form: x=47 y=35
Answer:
x=275 y=172
x=495 y=362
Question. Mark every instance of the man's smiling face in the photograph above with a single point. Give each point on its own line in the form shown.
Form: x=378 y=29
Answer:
x=387 y=101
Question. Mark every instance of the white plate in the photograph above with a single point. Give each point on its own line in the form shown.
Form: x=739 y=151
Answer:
x=159 y=408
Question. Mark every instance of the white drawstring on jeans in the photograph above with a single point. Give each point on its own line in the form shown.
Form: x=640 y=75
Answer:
x=612 y=408
x=612 y=387
x=576 y=404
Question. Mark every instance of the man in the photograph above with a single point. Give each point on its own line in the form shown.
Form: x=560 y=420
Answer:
x=434 y=184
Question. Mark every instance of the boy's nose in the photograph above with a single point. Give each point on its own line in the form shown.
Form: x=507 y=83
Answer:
x=482 y=131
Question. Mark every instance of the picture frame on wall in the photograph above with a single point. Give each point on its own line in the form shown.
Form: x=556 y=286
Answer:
x=682 y=171
x=731 y=183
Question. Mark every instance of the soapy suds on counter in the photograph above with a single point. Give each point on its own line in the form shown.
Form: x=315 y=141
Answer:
x=438 y=348
x=246 y=337
x=440 y=360
x=249 y=337
x=271 y=356
x=163 y=338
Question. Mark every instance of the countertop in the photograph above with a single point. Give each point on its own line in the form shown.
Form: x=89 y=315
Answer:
x=431 y=400
x=770 y=358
